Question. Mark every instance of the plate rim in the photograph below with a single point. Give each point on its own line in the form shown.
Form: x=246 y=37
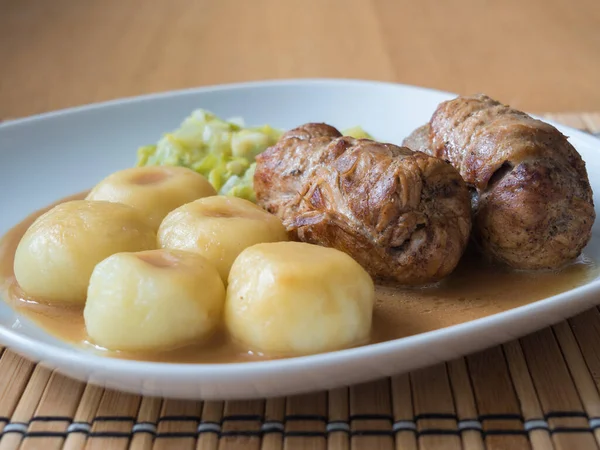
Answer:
x=314 y=81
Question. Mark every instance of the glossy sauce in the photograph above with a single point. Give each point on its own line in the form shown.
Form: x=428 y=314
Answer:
x=475 y=289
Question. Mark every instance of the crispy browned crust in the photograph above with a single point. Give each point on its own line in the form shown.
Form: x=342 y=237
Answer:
x=403 y=215
x=535 y=208
x=419 y=140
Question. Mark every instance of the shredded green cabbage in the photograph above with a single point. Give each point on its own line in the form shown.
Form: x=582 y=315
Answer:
x=223 y=151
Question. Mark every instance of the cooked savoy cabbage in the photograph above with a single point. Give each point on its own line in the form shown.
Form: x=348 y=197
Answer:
x=223 y=151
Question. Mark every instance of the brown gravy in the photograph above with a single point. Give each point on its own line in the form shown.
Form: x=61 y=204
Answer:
x=476 y=289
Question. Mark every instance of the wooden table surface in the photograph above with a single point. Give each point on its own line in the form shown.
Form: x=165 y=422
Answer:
x=539 y=55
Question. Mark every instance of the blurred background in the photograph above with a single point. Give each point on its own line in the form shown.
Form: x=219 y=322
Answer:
x=538 y=55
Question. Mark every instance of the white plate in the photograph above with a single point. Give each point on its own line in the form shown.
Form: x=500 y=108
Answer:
x=50 y=156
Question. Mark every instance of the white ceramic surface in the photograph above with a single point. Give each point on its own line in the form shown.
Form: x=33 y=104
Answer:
x=46 y=157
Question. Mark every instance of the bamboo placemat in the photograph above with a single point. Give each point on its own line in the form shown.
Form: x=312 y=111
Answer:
x=540 y=392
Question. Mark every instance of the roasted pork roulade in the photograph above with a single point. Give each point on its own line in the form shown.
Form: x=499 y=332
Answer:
x=533 y=206
x=403 y=215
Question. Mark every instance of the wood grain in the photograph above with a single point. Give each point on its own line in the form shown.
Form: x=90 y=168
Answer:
x=15 y=373
x=556 y=391
x=528 y=400
x=499 y=407
x=434 y=404
x=539 y=55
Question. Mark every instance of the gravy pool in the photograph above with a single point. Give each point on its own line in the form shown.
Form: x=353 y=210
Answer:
x=475 y=289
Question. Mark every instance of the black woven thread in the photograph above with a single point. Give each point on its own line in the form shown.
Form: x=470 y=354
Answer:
x=110 y=434
x=359 y=433
x=570 y=430
x=300 y=417
x=45 y=434
x=387 y=417
x=504 y=432
x=177 y=434
x=242 y=418
x=563 y=414
x=437 y=432
x=537 y=428
x=484 y=417
x=178 y=419
x=240 y=433
x=312 y=417
x=470 y=429
x=294 y=434
x=442 y=416
x=51 y=419
x=114 y=419
x=291 y=434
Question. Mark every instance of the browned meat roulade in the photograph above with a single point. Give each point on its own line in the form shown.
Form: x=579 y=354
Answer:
x=534 y=206
x=404 y=216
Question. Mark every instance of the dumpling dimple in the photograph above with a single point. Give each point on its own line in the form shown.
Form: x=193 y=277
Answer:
x=219 y=228
x=154 y=190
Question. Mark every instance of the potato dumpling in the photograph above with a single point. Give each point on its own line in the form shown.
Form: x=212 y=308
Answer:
x=155 y=190
x=292 y=298
x=219 y=228
x=56 y=256
x=153 y=300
